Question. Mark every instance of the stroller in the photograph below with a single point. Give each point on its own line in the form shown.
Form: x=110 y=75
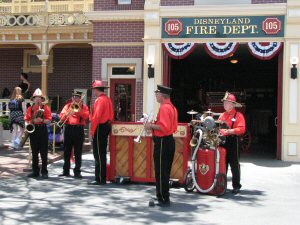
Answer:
x=59 y=133
x=208 y=165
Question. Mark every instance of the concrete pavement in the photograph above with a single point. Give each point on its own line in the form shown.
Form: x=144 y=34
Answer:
x=269 y=197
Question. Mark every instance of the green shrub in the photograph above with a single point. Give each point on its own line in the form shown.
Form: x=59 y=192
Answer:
x=4 y=120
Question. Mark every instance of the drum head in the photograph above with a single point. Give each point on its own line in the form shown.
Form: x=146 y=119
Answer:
x=209 y=123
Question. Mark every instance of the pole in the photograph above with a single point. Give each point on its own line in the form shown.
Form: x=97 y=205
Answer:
x=54 y=137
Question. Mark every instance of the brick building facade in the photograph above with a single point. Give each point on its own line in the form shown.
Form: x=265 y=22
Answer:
x=138 y=35
x=78 y=71
x=132 y=35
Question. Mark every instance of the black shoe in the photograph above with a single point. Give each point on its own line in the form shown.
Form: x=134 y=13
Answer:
x=151 y=203
x=33 y=175
x=45 y=176
x=77 y=176
x=235 y=191
x=64 y=175
x=164 y=203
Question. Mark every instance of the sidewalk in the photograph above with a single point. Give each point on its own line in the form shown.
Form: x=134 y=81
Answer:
x=15 y=162
x=268 y=197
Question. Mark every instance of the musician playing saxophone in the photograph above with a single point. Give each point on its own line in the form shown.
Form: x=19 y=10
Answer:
x=39 y=115
x=74 y=115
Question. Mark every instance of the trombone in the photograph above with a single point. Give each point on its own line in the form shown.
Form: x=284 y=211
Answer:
x=75 y=107
x=145 y=118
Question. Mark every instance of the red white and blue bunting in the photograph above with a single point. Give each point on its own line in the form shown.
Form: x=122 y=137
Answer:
x=264 y=50
x=179 y=50
x=221 y=50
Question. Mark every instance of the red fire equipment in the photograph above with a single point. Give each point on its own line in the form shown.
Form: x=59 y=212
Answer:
x=208 y=168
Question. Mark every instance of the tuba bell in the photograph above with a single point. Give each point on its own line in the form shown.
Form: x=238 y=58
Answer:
x=193 y=142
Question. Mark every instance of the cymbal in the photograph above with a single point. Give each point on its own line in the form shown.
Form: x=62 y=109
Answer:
x=192 y=112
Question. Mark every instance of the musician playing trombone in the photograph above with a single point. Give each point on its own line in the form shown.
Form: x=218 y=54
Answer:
x=74 y=116
x=164 y=143
x=38 y=115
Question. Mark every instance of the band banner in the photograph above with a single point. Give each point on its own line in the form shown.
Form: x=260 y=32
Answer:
x=264 y=50
x=179 y=50
x=221 y=50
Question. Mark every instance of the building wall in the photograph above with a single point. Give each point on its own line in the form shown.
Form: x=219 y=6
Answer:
x=267 y=1
x=120 y=52
x=176 y=2
x=118 y=31
x=111 y=5
x=72 y=69
x=11 y=62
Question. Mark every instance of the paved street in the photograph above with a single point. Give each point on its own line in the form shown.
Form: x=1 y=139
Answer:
x=269 y=196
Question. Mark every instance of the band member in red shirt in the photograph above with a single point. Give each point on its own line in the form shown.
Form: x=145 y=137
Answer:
x=75 y=115
x=101 y=118
x=164 y=143
x=236 y=127
x=39 y=115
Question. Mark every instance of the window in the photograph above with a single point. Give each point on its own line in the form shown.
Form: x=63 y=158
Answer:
x=124 y=2
x=121 y=68
x=31 y=62
x=34 y=61
x=124 y=70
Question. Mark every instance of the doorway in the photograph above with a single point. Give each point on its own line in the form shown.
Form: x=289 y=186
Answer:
x=200 y=81
x=123 y=98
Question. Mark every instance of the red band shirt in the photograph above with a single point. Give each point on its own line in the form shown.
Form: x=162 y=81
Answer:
x=167 y=119
x=239 y=125
x=77 y=118
x=30 y=116
x=102 y=112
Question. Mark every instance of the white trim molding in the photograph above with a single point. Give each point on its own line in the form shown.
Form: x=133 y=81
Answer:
x=117 y=61
x=292 y=148
x=293 y=90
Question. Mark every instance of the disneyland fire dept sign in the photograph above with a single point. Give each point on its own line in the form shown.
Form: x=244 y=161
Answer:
x=223 y=27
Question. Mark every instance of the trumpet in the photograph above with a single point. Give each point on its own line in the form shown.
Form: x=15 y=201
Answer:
x=75 y=107
x=145 y=118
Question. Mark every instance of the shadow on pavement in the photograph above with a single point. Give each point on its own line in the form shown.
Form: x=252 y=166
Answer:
x=73 y=201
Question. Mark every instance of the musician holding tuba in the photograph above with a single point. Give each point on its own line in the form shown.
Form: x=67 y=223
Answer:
x=74 y=116
x=37 y=116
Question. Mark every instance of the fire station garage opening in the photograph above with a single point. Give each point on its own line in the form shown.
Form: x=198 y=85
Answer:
x=200 y=81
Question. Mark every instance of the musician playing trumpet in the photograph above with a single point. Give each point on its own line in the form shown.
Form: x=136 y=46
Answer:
x=164 y=143
x=38 y=115
x=74 y=116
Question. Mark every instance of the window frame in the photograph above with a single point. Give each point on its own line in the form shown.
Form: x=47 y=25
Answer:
x=27 y=68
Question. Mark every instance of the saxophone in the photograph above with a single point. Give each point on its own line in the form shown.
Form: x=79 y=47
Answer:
x=30 y=128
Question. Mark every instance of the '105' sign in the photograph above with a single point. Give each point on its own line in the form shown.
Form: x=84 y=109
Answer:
x=272 y=26
x=173 y=27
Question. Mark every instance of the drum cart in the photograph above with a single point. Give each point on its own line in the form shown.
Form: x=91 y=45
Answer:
x=208 y=164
